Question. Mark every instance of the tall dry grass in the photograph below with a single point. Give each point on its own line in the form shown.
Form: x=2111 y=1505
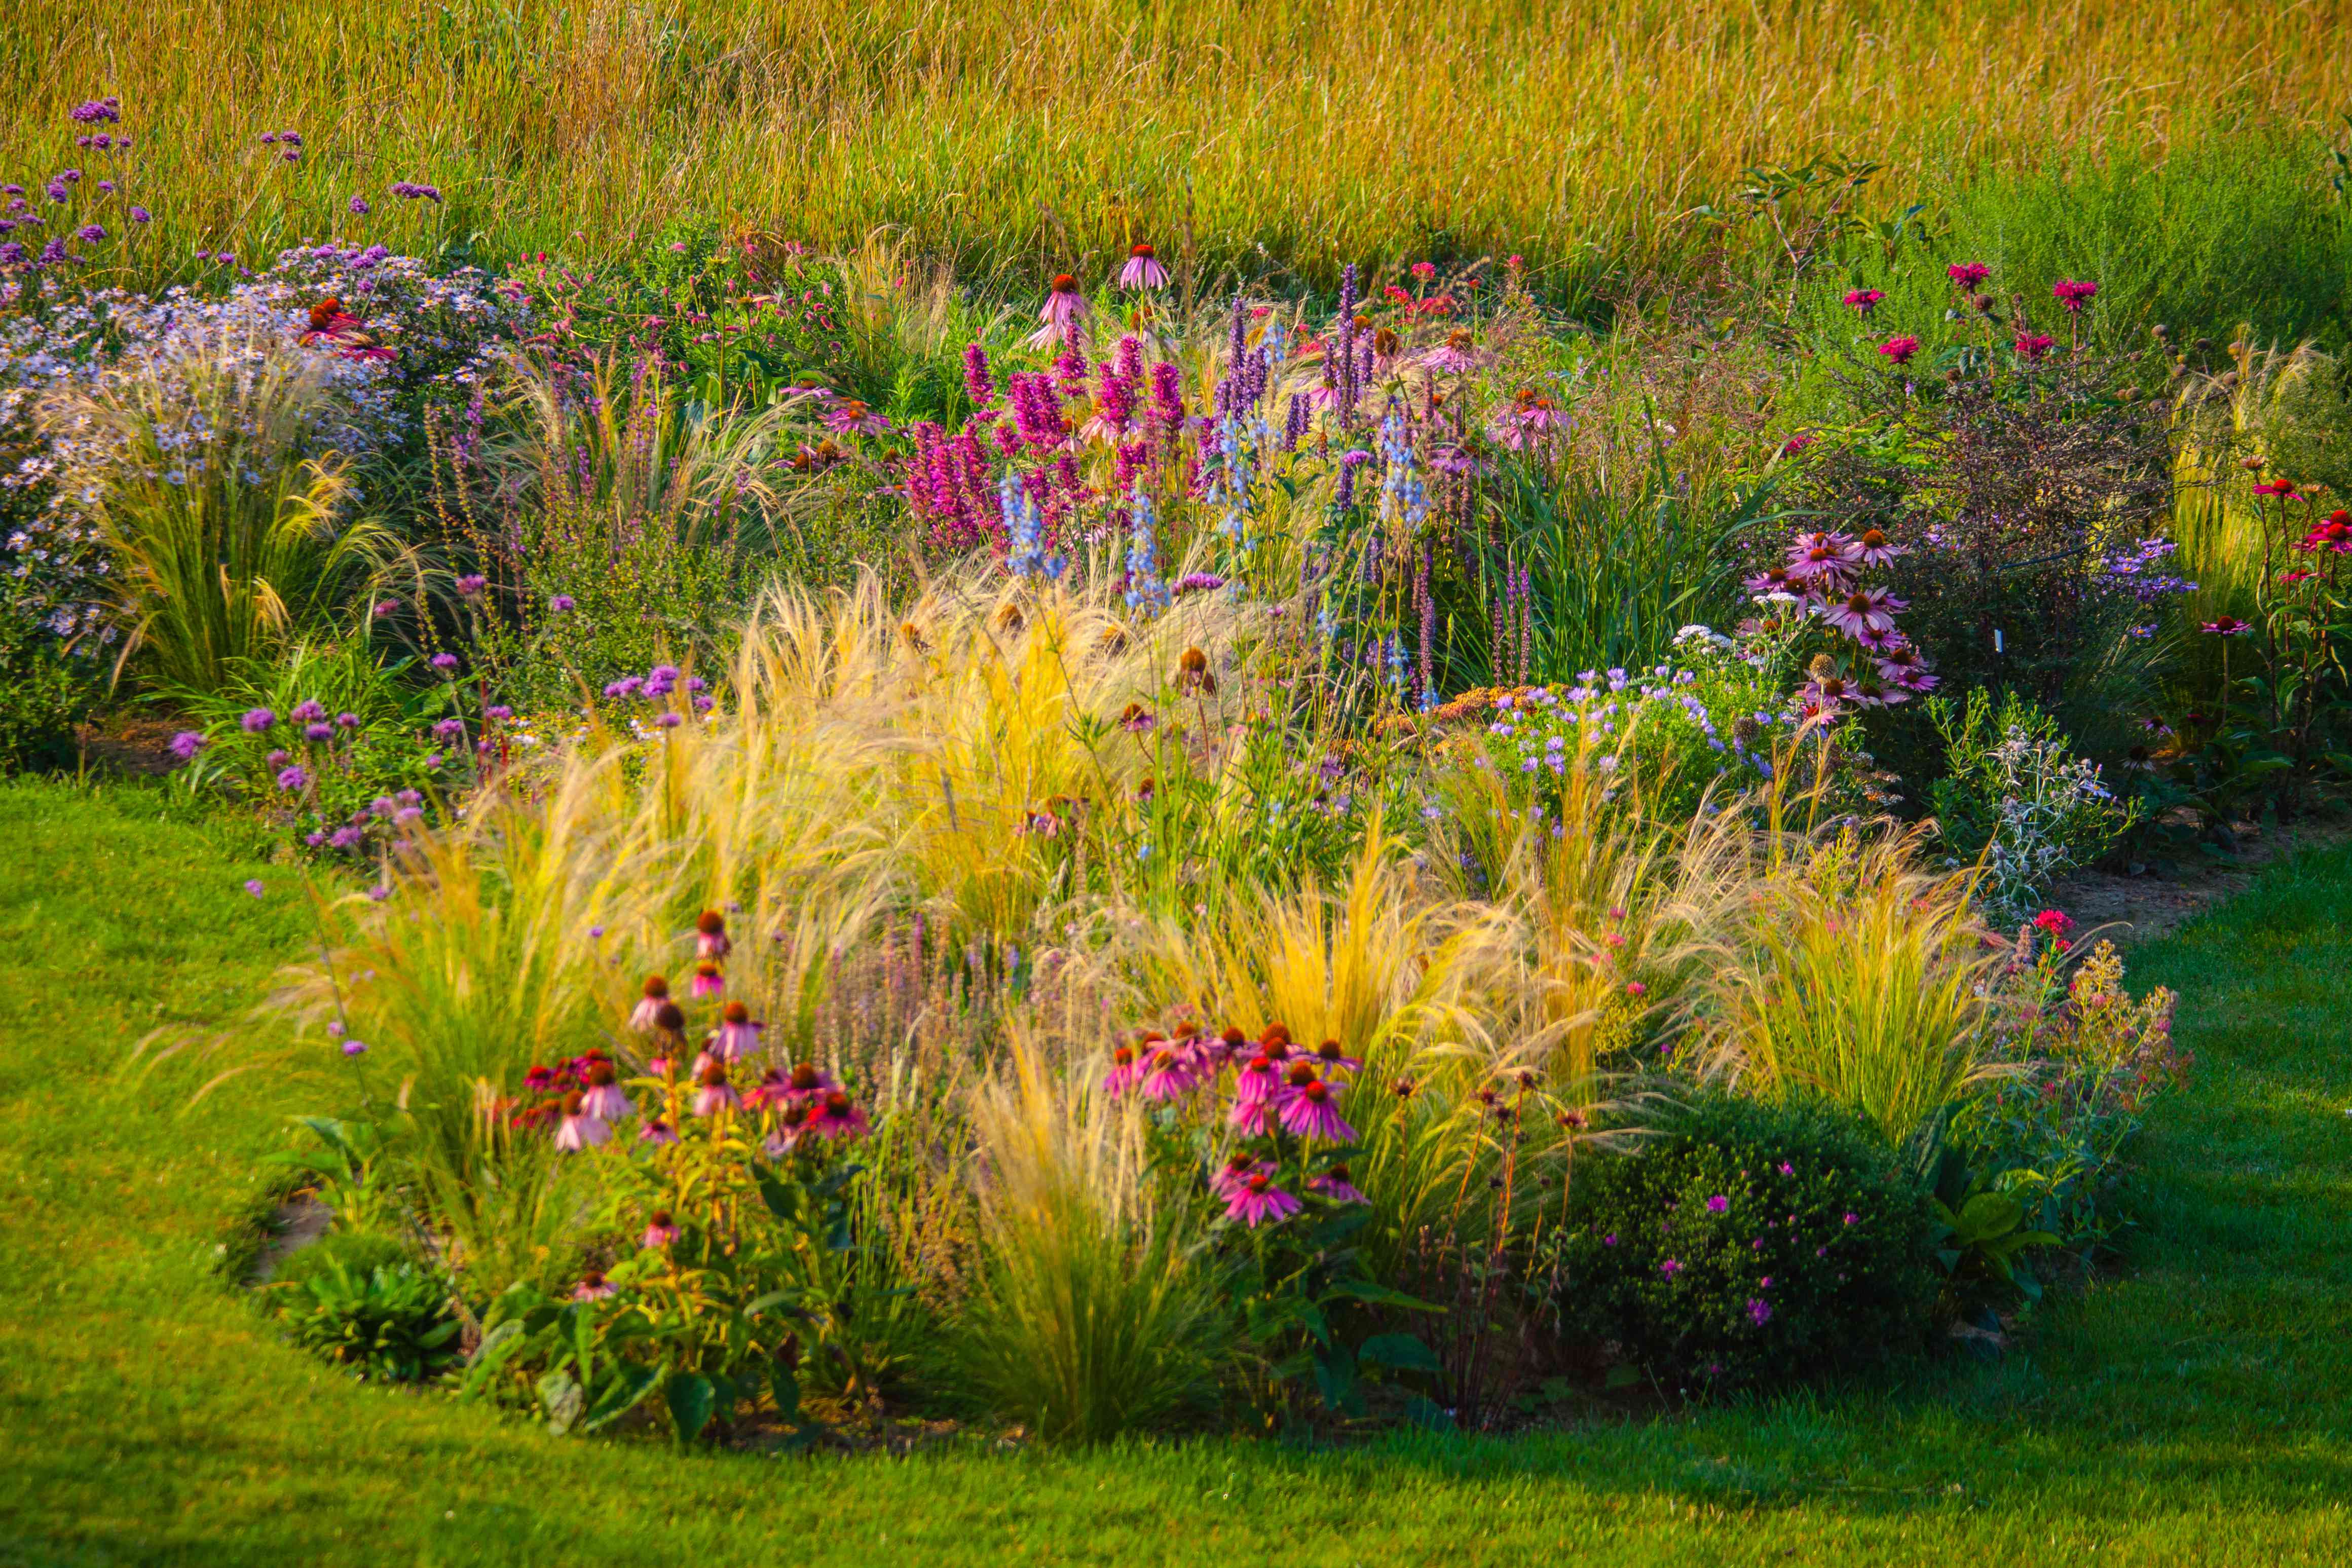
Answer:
x=1046 y=136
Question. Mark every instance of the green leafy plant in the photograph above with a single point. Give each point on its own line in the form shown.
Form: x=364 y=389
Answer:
x=391 y=1322
x=2014 y=795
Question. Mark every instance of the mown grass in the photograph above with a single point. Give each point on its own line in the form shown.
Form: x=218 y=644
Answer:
x=1264 y=136
x=2195 y=1409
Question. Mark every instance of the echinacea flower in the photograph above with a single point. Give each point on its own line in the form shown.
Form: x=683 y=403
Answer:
x=645 y=1018
x=1863 y=610
x=1258 y=1200
x=1333 y=1060
x=707 y=982
x=1902 y=666
x=594 y=1286
x=1900 y=349
x=2227 y=627
x=1822 y=558
x=1142 y=269
x=1455 y=355
x=1257 y=1079
x=1234 y=1174
x=1127 y=1070
x=660 y=1229
x=1334 y=1184
x=710 y=935
x=657 y=1131
x=716 y=1094
x=1169 y=1075
x=1311 y=1112
x=836 y=1116
x=604 y=1098
x=580 y=1131
x=1875 y=550
x=1065 y=315
x=738 y=1035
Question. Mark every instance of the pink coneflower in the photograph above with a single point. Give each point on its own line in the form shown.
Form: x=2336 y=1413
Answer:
x=604 y=1098
x=647 y=1016
x=1771 y=579
x=1334 y=1185
x=1876 y=549
x=773 y=1089
x=1234 y=1174
x=1333 y=1060
x=657 y=1130
x=710 y=935
x=1865 y=301
x=738 y=1035
x=1826 y=694
x=1167 y=1076
x=716 y=1094
x=792 y=1129
x=1863 y=610
x=2073 y=295
x=1311 y=1112
x=1968 y=274
x=594 y=1286
x=1819 y=559
x=1065 y=315
x=1257 y=1079
x=660 y=1231
x=851 y=417
x=1259 y=1200
x=837 y=1117
x=2282 y=487
x=1900 y=349
x=809 y=1084
x=1127 y=1070
x=1533 y=420
x=1455 y=354
x=580 y=1131
x=2032 y=346
x=1142 y=269
x=1902 y=666
x=2227 y=627
x=708 y=982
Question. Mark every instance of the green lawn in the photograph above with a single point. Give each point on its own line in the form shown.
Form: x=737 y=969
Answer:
x=2197 y=1410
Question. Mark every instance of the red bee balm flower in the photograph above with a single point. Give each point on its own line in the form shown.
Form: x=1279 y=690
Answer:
x=1900 y=350
x=1865 y=301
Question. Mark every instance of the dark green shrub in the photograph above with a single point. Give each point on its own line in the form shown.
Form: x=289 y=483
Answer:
x=1748 y=1243
x=391 y=1320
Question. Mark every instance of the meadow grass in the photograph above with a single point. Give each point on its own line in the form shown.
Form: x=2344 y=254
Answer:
x=2194 y=1408
x=1592 y=137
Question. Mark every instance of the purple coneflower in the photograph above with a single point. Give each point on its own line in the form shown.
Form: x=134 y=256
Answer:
x=2227 y=627
x=808 y=1085
x=1875 y=550
x=1169 y=1075
x=594 y=1286
x=647 y=1017
x=1334 y=1061
x=1065 y=315
x=580 y=1131
x=737 y=1036
x=710 y=935
x=707 y=982
x=657 y=1130
x=1457 y=354
x=1127 y=1070
x=1865 y=610
x=1234 y=1174
x=660 y=1229
x=1821 y=558
x=1902 y=666
x=1311 y=1112
x=792 y=1127
x=604 y=1098
x=1142 y=269
x=836 y=1116
x=716 y=1094
x=1334 y=1185
x=1258 y=1200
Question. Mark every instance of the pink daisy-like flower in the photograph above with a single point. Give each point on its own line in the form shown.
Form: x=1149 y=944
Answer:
x=710 y=935
x=1863 y=610
x=604 y=1098
x=1865 y=301
x=1819 y=558
x=1457 y=354
x=1312 y=1112
x=646 y=1018
x=716 y=1094
x=738 y=1035
x=1257 y=1079
x=1332 y=1059
x=1902 y=666
x=773 y=1089
x=1142 y=269
x=790 y=1130
x=708 y=982
x=1334 y=1184
x=808 y=1084
x=1065 y=315
x=851 y=416
x=1259 y=1200
x=1876 y=549
x=1532 y=421
x=594 y=1286
x=2227 y=627
x=1900 y=349
x=1826 y=695
x=1234 y=1174
x=837 y=1117
x=1771 y=579
x=660 y=1231
x=1127 y=1070
x=657 y=1130
x=1169 y=1075
x=578 y=1131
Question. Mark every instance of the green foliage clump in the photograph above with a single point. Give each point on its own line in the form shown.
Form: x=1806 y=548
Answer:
x=43 y=695
x=360 y=1302
x=2013 y=793
x=1748 y=1243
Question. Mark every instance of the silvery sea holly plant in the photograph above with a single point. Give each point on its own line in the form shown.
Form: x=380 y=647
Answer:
x=1256 y=1131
